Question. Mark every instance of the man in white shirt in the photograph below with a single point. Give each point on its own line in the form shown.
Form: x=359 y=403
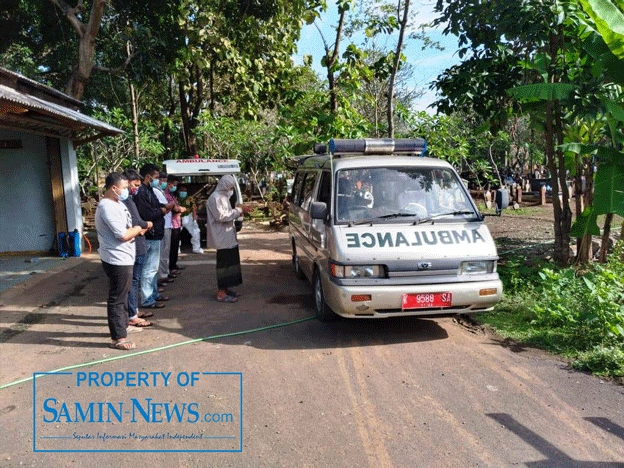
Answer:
x=116 y=234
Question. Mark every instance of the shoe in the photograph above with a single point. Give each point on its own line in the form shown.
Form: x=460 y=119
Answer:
x=225 y=298
x=172 y=276
x=161 y=289
x=164 y=281
x=198 y=251
x=162 y=298
x=155 y=305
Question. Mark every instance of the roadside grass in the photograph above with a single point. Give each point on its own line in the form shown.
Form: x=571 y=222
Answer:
x=576 y=314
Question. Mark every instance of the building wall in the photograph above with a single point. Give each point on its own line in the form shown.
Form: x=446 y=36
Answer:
x=69 y=164
x=26 y=208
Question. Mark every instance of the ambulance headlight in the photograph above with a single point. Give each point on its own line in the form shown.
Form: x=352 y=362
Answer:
x=357 y=271
x=477 y=267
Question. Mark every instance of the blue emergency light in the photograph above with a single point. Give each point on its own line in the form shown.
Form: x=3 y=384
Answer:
x=404 y=146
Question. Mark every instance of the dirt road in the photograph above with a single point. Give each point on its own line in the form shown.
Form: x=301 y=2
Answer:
x=394 y=393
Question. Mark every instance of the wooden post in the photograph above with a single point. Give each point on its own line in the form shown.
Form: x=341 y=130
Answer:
x=53 y=148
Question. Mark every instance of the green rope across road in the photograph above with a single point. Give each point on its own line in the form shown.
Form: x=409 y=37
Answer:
x=153 y=350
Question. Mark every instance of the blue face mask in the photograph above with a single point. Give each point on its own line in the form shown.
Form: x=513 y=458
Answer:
x=182 y=194
x=123 y=195
x=173 y=189
x=163 y=185
x=155 y=183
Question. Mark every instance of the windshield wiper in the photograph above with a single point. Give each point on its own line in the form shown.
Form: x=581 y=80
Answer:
x=386 y=216
x=441 y=215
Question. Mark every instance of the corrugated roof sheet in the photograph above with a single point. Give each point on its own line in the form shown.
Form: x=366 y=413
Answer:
x=39 y=105
x=40 y=86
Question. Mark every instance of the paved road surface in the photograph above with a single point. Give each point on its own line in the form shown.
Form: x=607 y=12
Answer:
x=395 y=393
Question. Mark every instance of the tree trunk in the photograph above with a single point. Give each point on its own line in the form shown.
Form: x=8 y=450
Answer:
x=566 y=212
x=604 y=246
x=135 y=123
x=87 y=34
x=395 y=67
x=331 y=61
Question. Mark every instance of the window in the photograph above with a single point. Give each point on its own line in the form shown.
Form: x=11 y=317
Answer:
x=307 y=194
x=399 y=192
x=296 y=188
x=324 y=194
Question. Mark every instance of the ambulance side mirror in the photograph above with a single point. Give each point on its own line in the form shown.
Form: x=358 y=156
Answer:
x=502 y=200
x=318 y=210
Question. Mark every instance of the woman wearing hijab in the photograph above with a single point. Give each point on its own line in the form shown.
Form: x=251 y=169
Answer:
x=221 y=235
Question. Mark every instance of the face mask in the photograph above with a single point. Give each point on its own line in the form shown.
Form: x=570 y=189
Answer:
x=163 y=185
x=182 y=195
x=155 y=183
x=123 y=195
x=134 y=190
x=173 y=189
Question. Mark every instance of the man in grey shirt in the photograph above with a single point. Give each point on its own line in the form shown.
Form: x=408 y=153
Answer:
x=116 y=234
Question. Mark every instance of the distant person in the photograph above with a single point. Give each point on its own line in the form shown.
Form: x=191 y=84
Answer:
x=136 y=318
x=221 y=235
x=151 y=209
x=116 y=236
x=164 y=275
x=176 y=224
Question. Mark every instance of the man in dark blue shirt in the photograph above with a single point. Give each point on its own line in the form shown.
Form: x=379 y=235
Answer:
x=152 y=210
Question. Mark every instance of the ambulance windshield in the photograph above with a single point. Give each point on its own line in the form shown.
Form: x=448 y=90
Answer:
x=384 y=193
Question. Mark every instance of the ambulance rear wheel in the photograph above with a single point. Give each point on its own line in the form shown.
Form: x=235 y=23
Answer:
x=323 y=312
x=296 y=264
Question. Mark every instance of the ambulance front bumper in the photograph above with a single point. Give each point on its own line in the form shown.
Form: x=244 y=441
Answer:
x=387 y=300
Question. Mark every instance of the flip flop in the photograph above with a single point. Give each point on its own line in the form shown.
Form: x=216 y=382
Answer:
x=142 y=324
x=227 y=299
x=133 y=329
x=124 y=345
x=145 y=314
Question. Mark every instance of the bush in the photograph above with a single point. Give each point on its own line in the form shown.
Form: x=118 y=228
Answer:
x=577 y=314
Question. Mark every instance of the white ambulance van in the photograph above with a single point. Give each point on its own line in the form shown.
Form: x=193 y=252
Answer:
x=382 y=231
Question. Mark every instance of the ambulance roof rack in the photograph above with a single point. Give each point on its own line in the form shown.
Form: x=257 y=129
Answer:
x=377 y=146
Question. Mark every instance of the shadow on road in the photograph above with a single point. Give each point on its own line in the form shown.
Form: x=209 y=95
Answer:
x=556 y=458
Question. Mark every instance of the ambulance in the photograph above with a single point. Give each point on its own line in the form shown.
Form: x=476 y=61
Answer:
x=382 y=231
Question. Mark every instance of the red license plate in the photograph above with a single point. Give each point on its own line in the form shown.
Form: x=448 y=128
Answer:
x=426 y=300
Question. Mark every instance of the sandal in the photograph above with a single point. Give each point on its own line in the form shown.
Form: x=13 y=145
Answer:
x=123 y=345
x=132 y=329
x=145 y=314
x=225 y=298
x=155 y=305
x=142 y=324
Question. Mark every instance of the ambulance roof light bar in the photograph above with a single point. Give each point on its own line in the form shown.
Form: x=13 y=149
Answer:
x=378 y=146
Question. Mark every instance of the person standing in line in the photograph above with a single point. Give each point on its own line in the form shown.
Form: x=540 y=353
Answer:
x=136 y=318
x=151 y=209
x=176 y=223
x=164 y=275
x=116 y=235
x=221 y=234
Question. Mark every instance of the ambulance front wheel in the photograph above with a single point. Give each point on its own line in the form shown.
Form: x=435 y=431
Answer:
x=323 y=312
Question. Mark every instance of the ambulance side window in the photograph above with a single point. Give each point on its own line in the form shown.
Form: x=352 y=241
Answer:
x=307 y=194
x=324 y=194
x=296 y=189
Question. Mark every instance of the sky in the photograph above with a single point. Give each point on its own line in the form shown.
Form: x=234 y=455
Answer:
x=428 y=64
